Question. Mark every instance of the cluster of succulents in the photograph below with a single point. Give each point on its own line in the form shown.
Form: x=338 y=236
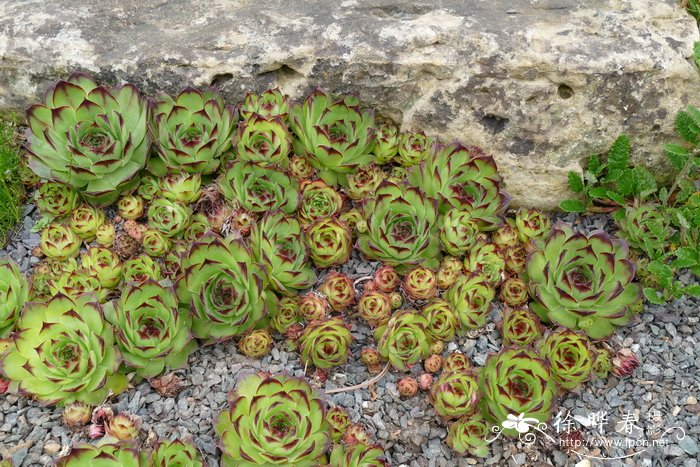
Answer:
x=177 y=221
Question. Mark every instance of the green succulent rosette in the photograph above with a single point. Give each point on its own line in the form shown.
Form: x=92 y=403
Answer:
x=176 y=453
x=151 y=333
x=458 y=232
x=271 y=103
x=463 y=178
x=224 y=288
x=191 y=131
x=259 y=189
x=75 y=283
x=256 y=343
x=602 y=365
x=286 y=314
x=401 y=224
x=413 y=148
x=403 y=339
x=520 y=327
x=104 y=455
x=273 y=420
x=140 y=269
x=646 y=228
x=277 y=242
x=63 y=352
x=55 y=199
x=374 y=307
x=420 y=283
x=85 y=220
x=149 y=188
x=442 y=320
x=103 y=264
x=514 y=292
x=335 y=135
x=582 y=281
x=387 y=146
x=181 y=187
x=264 y=141
x=469 y=435
x=329 y=241
x=168 y=217
x=454 y=394
x=339 y=420
x=570 y=356
x=485 y=257
x=516 y=382
x=300 y=168
x=471 y=298
x=14 y=292
x=506 y=236
x=339 y=290
x=531 y=224
x=357 y=455
x=155 y=244
x=363 y=182
x=198 y=227
x=325 y=344
x=397 y=174
x=89 y=137
x=515 y=258
x=318 y=201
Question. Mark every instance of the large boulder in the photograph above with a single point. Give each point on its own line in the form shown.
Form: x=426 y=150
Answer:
x=539 y=84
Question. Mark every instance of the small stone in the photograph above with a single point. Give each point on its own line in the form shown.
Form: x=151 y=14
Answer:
x=51 y=448
x=691 y=401
x=689 y=445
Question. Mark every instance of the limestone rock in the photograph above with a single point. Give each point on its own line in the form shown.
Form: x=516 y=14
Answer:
x=540 y=84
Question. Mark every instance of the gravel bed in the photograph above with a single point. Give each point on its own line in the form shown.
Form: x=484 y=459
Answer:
x=664 y=338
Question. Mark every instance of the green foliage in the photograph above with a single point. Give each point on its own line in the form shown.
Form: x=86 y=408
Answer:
x=11 y=189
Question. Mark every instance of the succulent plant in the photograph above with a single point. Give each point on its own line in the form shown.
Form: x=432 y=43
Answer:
x=485 y=258
x=256 y=343
x=433 y=363
x=123 y=426
x=437 y=347
x=130 y=207
x=387 y=279
x=104 y=455
x=89 y=137
x=463 y=178
x=335 y=135
x=514 y=292
x=531 y=224
x=425 y=381
x=516 y=382
x=520 y=327
x=103 y=264
x=454 y=394
x=318 y=201
x=271 y=103
x=387 y=146
x=325 y=344
x=168 y=217
x=300 y=168
x=241 y=222
x=134 y=230
x=64 y=352
x=407 y=386
x=456 y=361
x=150 y=331
x=570 y=356
x=646 y=228
x=396 y=300
x=191 y=131
x=624 y=362
x=602 y=365
x=74 y=283
x=441 y=318
x=402 y=340
x=356 y=434
x=374 y=307
x=413 y=148
x=224 y=288
x=469 y=435
x=263 y=140
x=371 y=359
x=397 y=175
x=14 y=292
x=105 y=235
x=76 y=414
x=313 y=307
x=286 y=314
x=55 y=199
x=181 y=187
x=458 y=232
x=400 y=227
x=141 y=269
x=175 y=453
x=506 y=236
x=294 y=431
x=126 y=246
x=339 y=291
x=84 y=221
x=582 y=281
x=339 y=420
x=259 y=189
x=420 y=283
x=448 y=272
x=149 y=188
x=198 y=227
x=471 y=299
x=154 y=243
x=363 y=182
x=515 y=258
x=277 y=243
x=329 y=241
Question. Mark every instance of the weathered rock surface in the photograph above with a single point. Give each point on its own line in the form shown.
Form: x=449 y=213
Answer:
x=541 y=84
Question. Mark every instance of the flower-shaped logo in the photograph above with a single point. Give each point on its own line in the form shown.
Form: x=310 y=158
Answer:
x=520 y=423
